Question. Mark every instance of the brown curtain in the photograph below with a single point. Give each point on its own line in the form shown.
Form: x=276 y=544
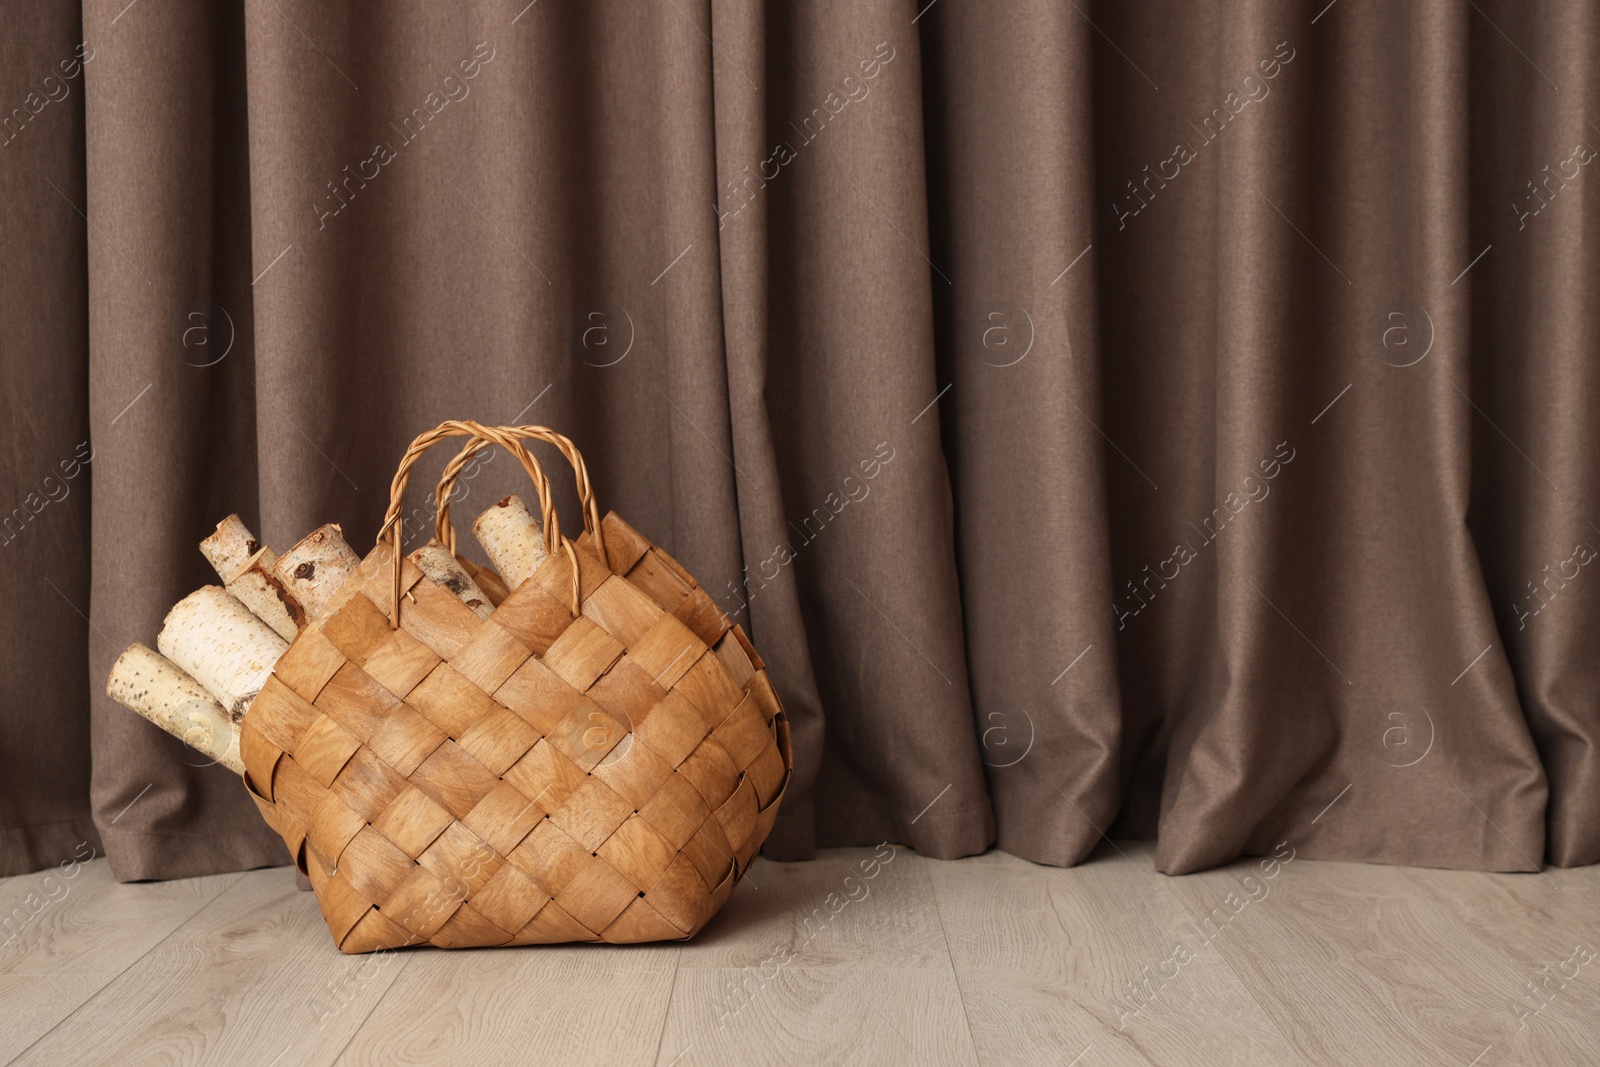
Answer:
x=1171 y=420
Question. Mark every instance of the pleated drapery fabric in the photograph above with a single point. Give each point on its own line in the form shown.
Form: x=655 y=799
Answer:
x=1170 y=420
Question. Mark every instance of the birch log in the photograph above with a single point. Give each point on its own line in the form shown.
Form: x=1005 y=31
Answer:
x=441 y=565
x=152 y=685
x=314 y=570
x=231 y=548
x=263 y=593
x=229 y=651
x=493 y=586
x=513 y=540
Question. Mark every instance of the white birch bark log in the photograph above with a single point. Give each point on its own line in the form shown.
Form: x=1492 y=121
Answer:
x=441 y=565
x=258 y=589
x=158 y=689
x=315 y=569
x=216 y=639
x=513 y=540
x=493 y=586
x=231 y=548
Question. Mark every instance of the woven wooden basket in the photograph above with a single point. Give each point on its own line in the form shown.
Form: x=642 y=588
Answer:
x=599 y=760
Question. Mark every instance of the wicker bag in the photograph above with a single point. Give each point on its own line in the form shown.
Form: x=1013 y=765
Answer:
x=598 y=760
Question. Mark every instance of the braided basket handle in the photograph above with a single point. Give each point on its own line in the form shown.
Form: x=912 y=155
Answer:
x=480 y=436
x=586 y=498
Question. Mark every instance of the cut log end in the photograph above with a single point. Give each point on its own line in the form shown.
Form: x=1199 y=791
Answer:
x=160 y=691
x=513 y=539
x=231 y=548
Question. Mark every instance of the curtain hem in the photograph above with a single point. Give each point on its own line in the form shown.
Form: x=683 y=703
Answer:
x=26 y=849
x=142 y=857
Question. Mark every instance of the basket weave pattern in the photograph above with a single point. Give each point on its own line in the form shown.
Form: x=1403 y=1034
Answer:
x=542 y=775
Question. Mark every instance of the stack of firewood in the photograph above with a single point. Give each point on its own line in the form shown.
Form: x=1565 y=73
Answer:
x=218 y=645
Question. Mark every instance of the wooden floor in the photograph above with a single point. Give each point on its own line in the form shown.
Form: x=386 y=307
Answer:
x=989 y=960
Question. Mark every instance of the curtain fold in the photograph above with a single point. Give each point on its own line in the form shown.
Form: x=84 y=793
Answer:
x=1147 y=419
x=46 y=456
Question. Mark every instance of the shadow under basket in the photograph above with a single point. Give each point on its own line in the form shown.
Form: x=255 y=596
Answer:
x=599 y=759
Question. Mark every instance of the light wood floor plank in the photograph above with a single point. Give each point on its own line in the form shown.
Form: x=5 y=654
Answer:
x=30 y=1006
x=92 y=925
x=71 y=936
x=986 y=960
x=253 y=977
x=43 y=885
x=1358 y=964
x=557 y=1004
x=840 y=960
x=840 y=1014
x=846 y=906
x=1046 y=960
x=1532 y=936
